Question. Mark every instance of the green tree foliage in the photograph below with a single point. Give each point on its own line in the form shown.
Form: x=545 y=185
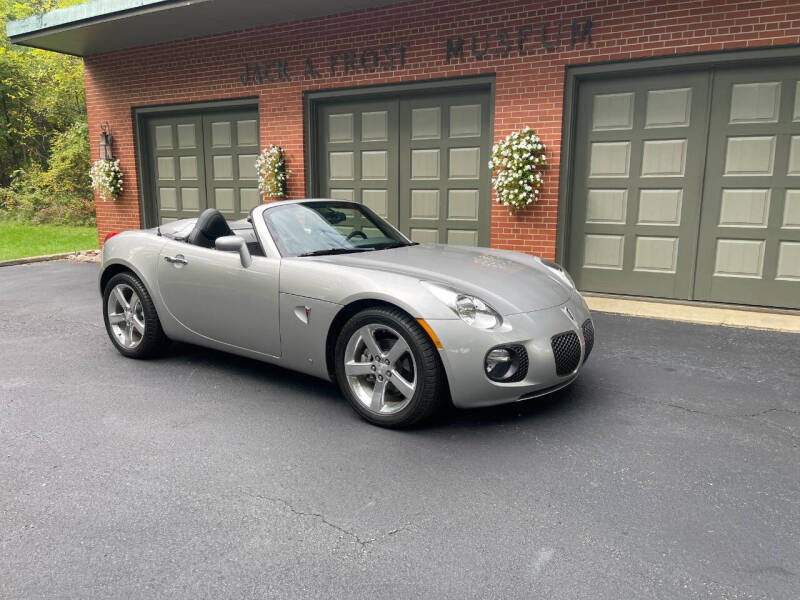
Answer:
x=44 y=150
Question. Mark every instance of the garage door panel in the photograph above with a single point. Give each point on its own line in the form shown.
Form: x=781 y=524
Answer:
x=190 y=200
x=752 y=155
x=464 y=163
x=374 y=164
x=341 y=166
x=606 y=206
x=462 y=237
x=610 y=159
x=744 y=207
x=168 y=197
x=604 y=251
x=746 y=249
x=426 y=123
x=424 y=204
x=163 y=137
x=797 y=101
x=794 y=156
x=247 y=132
x=340 y=127
x=465 y=121
x=664 y=158
x=638 y=162
x=757 y=102
x=247 y=166
x=249 y=198
x=358 y=154
x=231 y=145
x=177 y=177
x=375 y=126
x=788 y=261
x=791 y=210
x=424 y=236
x=220 y=133
x=739 y=258
x=187 y=135
x=668 y=108
x=165 y=168
x=660 y=207
x=188 y=167
x=463 y=204
x=612 y=111
x=444 y=176
x=658 y=254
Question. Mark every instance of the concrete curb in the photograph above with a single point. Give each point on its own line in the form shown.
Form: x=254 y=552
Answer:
x=728 y=317
x=34 y=259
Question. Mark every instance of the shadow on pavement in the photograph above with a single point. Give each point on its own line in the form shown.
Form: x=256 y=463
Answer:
x=551 y=406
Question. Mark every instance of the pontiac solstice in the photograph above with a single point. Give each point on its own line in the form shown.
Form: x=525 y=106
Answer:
x=331 y=289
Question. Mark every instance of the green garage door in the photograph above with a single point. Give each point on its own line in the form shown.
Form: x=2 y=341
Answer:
x=421 y=162
x=685 y=187
x=202 y=160
x=750 y=228
x=639 y=179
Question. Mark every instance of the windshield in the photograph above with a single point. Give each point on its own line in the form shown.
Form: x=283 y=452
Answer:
x=315 y=228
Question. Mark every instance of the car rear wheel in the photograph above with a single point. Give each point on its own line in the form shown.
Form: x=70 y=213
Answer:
x=388 y=368
x=131 y=319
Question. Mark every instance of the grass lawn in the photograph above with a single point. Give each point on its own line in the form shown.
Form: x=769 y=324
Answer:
x=20 y=240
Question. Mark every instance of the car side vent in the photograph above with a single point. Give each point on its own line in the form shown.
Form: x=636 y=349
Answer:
x=567 y=352
x=588 y=337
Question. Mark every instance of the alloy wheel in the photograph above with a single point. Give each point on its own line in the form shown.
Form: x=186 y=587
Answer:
x=126 y=316
x=380 y=368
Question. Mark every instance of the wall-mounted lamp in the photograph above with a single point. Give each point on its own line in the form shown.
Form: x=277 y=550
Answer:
x=106 y=141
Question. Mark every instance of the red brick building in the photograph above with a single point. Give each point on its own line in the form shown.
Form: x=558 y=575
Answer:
x=672 y=128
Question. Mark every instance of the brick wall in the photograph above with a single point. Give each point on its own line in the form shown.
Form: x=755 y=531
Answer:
x=529 y=84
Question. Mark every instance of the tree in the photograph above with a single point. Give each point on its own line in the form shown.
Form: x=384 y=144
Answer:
x=41 y=101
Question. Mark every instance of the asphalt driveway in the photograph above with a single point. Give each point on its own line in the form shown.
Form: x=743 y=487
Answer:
x=671 y=469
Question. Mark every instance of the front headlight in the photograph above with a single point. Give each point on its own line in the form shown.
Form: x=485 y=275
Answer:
x=559 y=271
x=472 y=310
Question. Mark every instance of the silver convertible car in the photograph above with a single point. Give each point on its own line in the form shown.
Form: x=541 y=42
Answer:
x=331 y=289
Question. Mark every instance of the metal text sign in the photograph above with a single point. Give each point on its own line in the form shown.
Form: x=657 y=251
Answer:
x=393 y=56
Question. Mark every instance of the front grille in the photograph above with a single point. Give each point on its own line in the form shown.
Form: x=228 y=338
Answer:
x=522 y=358
x=588 y=337
x=566 y=351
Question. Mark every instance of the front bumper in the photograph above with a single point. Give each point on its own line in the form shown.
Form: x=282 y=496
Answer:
x=464 y=349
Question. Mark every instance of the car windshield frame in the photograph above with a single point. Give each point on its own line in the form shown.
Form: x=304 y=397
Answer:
x=293 y=229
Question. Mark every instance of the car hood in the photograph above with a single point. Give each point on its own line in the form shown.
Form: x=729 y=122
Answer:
x=512 y=282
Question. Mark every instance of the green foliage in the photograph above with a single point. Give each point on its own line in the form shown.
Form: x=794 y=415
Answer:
x=68 y=160
x=60 y=194
x=44 y=152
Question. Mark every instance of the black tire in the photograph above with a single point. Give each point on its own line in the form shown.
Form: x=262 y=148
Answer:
x=431 y=389
x=153 y=341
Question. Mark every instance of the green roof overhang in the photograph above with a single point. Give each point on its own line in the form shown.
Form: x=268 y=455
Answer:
x=100 y=26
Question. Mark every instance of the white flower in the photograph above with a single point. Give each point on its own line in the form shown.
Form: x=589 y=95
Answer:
x=516 y=163
x=106 y=177
x=272 y=172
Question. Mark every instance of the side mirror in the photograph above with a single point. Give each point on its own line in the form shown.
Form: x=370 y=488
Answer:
x=232 y=243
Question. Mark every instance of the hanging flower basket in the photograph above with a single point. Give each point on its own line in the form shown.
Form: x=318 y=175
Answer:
x=107 y=179
x=517 y=164
x=272 y=172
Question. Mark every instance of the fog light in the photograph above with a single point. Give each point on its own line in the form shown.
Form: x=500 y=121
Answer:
x=506 y=363
x=497 y=358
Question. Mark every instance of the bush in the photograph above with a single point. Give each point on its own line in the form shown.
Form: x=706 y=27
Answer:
x=60 y=195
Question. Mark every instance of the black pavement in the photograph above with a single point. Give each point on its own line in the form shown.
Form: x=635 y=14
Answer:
x=670 y=469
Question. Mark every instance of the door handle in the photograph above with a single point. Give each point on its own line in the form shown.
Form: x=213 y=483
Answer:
x=176 y=260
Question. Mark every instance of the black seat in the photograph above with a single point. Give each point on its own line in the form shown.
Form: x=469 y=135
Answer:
x=210 y=226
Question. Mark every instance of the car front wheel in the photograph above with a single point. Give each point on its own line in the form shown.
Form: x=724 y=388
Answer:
x=131 y=319
x=388 y=368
